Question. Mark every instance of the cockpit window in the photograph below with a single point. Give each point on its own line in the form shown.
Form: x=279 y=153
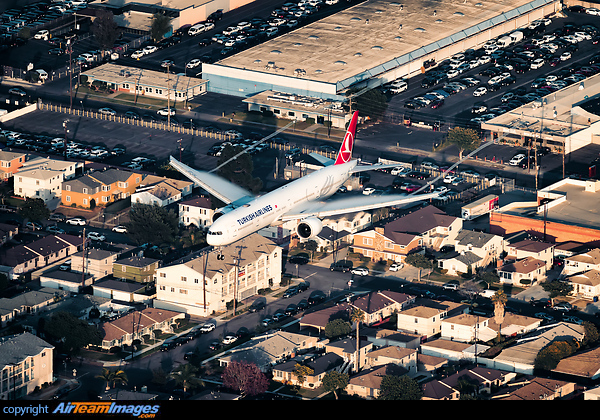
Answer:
x=210 y=232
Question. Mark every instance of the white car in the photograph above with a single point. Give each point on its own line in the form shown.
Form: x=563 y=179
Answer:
x=95 y=236
x=119 y=229
x=195 y=62
x=517 y=159
x=441 y=189
x=565 y=56
x=396 y=266
x=368 y=191
x=592 y=11
x=229 y=339
x=43 y=34
x=448 y=179
x=107 y=111
x=400 y=171
x=86 y=56
x=360 y=271
x=208 y=327
x=537 y=63
x=480 y=91
x=137 y=54
x=76 y=221
x=166 y=111
x=150 y=49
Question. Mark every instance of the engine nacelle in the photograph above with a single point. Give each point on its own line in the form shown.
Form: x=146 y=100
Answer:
x=220 y=212
x=309 y=228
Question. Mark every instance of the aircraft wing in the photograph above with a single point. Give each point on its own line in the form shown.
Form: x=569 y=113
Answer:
x=324 y=160
x=353 y=204
x=374 y=167
x=224 y=190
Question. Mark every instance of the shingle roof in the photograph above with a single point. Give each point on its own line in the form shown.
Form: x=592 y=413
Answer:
x=418 y=222
x=16 y=348
x=375 y=301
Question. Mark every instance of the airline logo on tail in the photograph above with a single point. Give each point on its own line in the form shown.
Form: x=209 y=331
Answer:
x=345 y=153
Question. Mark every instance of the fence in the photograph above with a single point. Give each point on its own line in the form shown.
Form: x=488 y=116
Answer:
x=158 y=125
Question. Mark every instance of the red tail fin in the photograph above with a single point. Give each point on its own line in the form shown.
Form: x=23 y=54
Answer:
x=345 y=153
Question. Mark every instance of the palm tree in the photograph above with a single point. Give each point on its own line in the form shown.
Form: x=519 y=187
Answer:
x=357 y=316
x=185 y=376
x=112 y=377
x=499 y=300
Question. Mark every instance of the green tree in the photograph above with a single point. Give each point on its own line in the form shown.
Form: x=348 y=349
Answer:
x=104 y=28
x=499 y=299
x=357 y=316
x=371 y=104
x=591 y=336
x=71 y=333
x=239 y=170
x=333 y=381
x=187 y=377
x=466 y=139
x=399 y=388
x=549 y=357
x=161 y=24
x=418 y=260
x=152 y=224
x=112 y=377
x=337 y=328
x=302 y=371
x=34 y=210
x=557 y=288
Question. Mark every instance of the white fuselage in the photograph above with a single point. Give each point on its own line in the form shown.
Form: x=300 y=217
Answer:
x=268 y=209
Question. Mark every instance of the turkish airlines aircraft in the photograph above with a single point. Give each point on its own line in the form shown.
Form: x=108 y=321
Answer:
x=304 y=199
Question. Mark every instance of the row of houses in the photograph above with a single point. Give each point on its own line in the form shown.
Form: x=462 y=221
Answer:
x=49 y=179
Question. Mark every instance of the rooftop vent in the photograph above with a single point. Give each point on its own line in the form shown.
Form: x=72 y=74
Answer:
x=313 y=37
x=340 y=62
x=377 y=47
x=355 y=19
x=275 y=52
x=459 y=14
x=419 y=30
x=358 y=55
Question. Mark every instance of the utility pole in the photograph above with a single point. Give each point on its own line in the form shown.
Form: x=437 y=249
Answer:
x=83 y=262
x=169 y=95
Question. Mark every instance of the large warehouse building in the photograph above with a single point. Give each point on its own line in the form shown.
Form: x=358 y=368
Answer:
x=369 y=44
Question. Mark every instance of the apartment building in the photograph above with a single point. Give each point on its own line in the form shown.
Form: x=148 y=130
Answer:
x=99 y=188
x=427 y=227
x=42 y=178
x=196 y=211
x=202 y=284
x=26 y=363
x=10 y=162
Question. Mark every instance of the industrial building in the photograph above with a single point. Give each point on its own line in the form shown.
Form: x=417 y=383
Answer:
x=368 y=44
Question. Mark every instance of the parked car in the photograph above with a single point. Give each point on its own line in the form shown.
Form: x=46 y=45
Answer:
x=229 y=339
x=95 y=236
x=291 y=291
x=207 y=327
x=119 y=229
x=396 y=266
x=57 y=217
x=361 y=271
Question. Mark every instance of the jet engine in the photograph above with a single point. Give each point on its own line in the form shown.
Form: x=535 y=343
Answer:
x=309 y=228
x=220 y=212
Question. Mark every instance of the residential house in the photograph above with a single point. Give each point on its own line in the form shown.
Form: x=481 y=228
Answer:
x=7 y=232
x=99 y=188
x=319 y=318
x=122 y=291
x=201 y=284
x=161 y=191
x=40 y=253
x=26 y=362
x=380 y=305
x=196 y=211
x=435 y=390
x=346 y=348
x=582 y=366
x=520 y=357
x=484 y=379
x=529 y=248
x=10 y=162
x=367 y=384
x=381 y=337
x=320 y=365
x=523 y=273
x=425 y=316
x=466 y=328
x=267 y=350
x=28 y=303
x=43 y=177
x=539 y=389
x=98 y=261
x=585 y=284
x=428 y=227
x=453 y=350
x=65 y=280
x=137 y=325
x=138 y=269
x=459 y=263
x=407 y=358
x=584 y=261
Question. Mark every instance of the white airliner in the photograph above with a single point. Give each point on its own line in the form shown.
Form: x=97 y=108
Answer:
x=303 y=199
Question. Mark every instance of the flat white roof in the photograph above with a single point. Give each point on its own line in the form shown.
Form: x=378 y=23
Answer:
x=368 y=35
